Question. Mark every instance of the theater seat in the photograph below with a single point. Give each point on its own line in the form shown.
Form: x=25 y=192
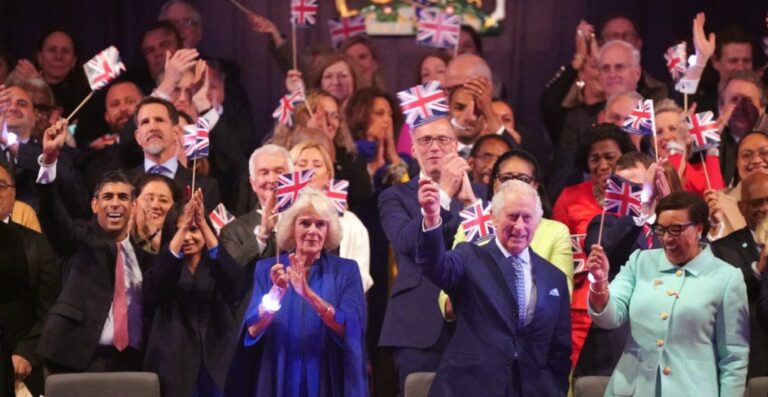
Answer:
x=590 y=386
x=417 y=384
x=111 y=384
x=757 y=387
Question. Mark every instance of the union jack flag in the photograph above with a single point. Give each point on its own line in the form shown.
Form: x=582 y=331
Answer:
x=290 y=185
x=676 y=60
x=640 y=120
x=438 y=29
x=622 y=197
x=196 y=141
x=103 y=68
x=477 y=221
x=304 y=13
x=285 y=108
x=422 y=104
x=704 y=132
x=337 y=193
x=220 y=217
x=346 y=27
x=579 y=256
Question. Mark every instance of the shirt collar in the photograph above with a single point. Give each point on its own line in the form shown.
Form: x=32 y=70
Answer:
x=172 y=164
x=525 y=256
x=694 y=266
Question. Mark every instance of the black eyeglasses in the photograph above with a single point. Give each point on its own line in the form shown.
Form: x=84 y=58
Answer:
x=442 y=140
x=5 y=186
x=520 y=177
x=673 y=230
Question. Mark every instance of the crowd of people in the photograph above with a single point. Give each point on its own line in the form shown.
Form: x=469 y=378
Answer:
x=111 y=260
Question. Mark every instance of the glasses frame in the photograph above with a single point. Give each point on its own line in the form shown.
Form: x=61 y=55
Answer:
x=668 y=229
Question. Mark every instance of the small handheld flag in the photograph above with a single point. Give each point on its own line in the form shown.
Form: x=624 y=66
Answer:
x=438 y=29
x=337 y=194
x=704 y=131
x=676 y=60
x=103 y=68
x=289 y=186
x=622 y=197
x=304 y=13
x=196 y=140
x=477 y=221
x=423 y=104
x=346 y=27
x=640 y=120
x=285 y=108
x=579 y=256
x=220 y=217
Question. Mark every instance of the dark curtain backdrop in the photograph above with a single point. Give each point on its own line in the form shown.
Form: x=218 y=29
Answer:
x=537 y=38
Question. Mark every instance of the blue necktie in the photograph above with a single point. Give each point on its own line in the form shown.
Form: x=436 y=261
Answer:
x=159 y=169
x=517 y=267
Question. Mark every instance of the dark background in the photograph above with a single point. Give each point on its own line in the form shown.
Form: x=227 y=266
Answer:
x=537 y=38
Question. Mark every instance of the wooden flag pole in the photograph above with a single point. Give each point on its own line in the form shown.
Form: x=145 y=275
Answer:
x=602 y=222
x=653 y=130
x=706 y=173
x=293 y=39
x=241 y=7
x=82 y=103
x=194 y=170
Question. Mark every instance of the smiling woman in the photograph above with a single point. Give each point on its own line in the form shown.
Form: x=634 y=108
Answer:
x=319 y=297
x=682 y=298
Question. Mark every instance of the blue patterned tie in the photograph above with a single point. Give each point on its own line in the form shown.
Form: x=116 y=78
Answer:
x=517 y=266
x=159 y=169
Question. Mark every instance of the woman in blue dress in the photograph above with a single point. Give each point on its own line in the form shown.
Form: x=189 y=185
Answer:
x=303 y=331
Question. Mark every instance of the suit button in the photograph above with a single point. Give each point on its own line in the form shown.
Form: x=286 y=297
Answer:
x=666 y=371
x=679 y=273
x=664 y=315
x=659 y=342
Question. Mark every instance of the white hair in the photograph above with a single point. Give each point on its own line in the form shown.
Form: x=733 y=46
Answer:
x=170 y=3
x=633 y=95
x=316 y=200
x=515 y=187
x=268 y=150
x=621 y=43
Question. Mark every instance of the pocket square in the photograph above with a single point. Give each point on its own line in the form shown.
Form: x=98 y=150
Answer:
x=554 y=292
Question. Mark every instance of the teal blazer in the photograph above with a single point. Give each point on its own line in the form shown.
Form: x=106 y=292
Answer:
x=689 y=327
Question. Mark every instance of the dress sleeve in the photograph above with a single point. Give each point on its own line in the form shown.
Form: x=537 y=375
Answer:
x=261 y=285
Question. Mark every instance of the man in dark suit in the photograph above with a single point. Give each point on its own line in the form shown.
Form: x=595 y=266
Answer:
x=249 y=237
x=413 y=324
x=30 y=283
x=157 y=132
x=513 y=331
x=742 y=95
x=96 y=323
x=741 y=250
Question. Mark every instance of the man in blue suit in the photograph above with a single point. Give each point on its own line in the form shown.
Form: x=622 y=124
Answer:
x=513 y=327
x=413 y=325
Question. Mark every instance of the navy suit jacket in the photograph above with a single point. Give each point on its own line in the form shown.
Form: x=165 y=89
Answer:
x=489 y=355
x=412 y=318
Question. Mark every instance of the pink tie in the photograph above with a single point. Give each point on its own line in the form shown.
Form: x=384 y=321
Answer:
x=648 y=236
x=119 y=305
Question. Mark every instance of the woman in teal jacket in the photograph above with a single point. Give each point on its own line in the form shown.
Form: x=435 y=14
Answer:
x=687 y=310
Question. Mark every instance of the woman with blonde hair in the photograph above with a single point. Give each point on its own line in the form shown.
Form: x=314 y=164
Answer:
x=354 y=242
x=303 y=332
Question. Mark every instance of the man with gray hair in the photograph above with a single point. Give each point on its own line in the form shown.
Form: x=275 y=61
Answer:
x=619 y=66
x=248 y=237
x=512 y=307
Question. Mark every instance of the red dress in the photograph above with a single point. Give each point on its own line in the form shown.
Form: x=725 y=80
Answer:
x=694 y=177
x=576 y=207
